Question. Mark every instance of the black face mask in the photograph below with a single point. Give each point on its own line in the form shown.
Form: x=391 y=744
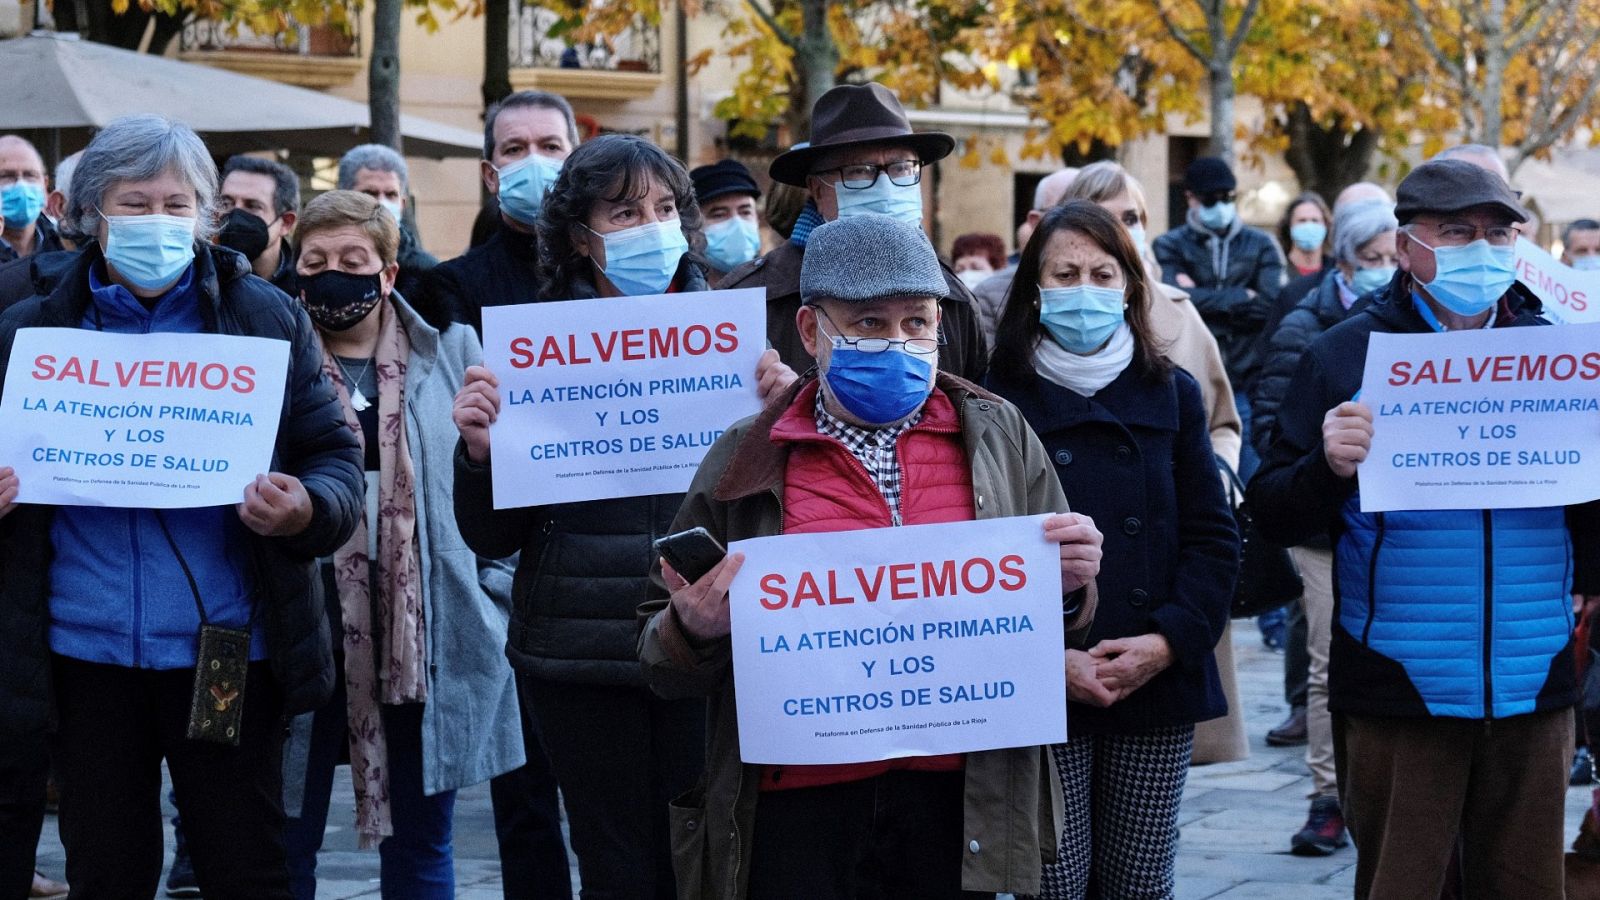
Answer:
x=336 y=301
x=244 y=232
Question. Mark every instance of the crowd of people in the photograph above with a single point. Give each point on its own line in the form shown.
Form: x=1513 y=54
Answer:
x=1112 y=383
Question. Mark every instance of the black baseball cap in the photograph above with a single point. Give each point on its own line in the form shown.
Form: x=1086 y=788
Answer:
x=725 y=176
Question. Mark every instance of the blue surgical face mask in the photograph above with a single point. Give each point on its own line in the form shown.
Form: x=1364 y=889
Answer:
x=1365 y=281
x=150 y=252
x=1083 y=317
x=1217 y=216
x=1139 y=240
x=884 y=198
x=394 y=209
x=732 y=242
x=642 y=260
x=21 y=202
x=1586 y=263
x=523 y=185
x=1471 y=279
x=1308 y=236
x=877 y=388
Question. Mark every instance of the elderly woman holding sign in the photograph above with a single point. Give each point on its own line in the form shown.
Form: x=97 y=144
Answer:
x=424 y=690
x=105 y=612
x=618 y=222
x=880 y=438
x=1127 y=433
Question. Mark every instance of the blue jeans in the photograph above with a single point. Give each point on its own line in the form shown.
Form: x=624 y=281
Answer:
x=1249 y=459
x=417 y=861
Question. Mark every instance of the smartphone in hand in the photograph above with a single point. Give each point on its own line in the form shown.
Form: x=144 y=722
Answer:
x=691 y=553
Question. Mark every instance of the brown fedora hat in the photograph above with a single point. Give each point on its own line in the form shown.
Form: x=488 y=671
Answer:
x=854 y=115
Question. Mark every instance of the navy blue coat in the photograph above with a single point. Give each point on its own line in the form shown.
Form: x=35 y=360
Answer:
x=1136 y=457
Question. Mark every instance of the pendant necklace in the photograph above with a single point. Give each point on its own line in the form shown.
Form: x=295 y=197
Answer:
x=358 y=400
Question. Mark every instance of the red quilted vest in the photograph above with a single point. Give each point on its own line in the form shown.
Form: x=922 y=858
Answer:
x=827 y=489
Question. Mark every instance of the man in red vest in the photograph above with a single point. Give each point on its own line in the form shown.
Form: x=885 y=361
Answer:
x=876 y=438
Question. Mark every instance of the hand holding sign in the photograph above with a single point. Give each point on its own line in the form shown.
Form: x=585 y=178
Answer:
x=773 y=376
x=8 y=490
x=1346 y=437
x=1080 y=548
x=276 y=505
x=702 y=607
x=477 y=405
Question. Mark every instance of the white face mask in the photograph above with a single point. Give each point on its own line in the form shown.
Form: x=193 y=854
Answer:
x=974 y=277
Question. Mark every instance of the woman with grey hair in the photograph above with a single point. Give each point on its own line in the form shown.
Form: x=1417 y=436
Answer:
x=102 y=608
x=1364 y=261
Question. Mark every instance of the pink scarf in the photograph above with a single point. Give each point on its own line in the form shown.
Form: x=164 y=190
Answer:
x=384 y=643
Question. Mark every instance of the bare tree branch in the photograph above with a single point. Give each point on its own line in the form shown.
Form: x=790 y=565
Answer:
x=1179 y=35
x=1425 y=28
x=1524 y=32
x=767 y=19
x=1242 y=27
x=1555 y=126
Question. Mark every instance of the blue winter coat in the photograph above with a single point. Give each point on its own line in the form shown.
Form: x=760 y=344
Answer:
x=1136 y=458
x=1463 y=613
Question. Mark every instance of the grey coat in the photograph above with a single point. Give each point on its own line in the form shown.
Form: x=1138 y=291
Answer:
x=471 y=726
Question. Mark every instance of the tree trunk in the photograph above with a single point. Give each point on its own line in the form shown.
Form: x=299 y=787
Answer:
x=383 y=76
x=1327 y=159
x=816 y=60
x=1221 y=84
x=496 y=51
x=1494 y=72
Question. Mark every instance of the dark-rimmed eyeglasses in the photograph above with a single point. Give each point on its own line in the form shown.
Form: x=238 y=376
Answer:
x=860 y=176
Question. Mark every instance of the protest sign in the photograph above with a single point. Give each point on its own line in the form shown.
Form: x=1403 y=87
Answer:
x=1488 y=419
x=617 y=397
x=857 y=646
x=160 y=420
x=1570 y=297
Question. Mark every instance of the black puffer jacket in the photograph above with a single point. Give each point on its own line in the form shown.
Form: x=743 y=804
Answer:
x=1225 y=268
x=313 y=445
x=584 y=569
x=502 y=271
x=1316 y=313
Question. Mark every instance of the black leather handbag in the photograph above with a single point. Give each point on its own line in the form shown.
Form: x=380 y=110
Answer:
x=1268 y=577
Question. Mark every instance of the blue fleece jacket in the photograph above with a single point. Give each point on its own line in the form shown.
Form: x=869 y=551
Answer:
x=117 y=593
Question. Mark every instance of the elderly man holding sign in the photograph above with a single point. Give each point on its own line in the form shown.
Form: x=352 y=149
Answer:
x=879 y=438
x=179 y=634
x=1450 y=671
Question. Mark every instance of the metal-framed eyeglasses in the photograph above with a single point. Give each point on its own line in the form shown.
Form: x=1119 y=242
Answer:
x=860 y=176
x=920 y=346
x=1460 y=234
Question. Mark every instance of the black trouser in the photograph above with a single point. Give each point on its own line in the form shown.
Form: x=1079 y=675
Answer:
x=116 y=726
x=620 y=753
x=24 y=771
x=527 y=821
x=894 y=836
x=1296 y=657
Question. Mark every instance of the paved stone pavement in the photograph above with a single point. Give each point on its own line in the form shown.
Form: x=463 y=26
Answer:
x=1236 y=819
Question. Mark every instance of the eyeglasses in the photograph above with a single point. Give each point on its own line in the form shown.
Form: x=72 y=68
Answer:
x=1460 y=234
x=901 y=172
x=922 y=346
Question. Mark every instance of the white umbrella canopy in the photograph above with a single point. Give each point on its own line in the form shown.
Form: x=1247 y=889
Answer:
x=65 y=83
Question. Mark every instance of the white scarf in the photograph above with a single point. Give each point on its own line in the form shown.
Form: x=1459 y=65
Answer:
x=1085 y=375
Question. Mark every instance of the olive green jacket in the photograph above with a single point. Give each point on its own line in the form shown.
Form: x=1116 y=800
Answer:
x=1013 y=798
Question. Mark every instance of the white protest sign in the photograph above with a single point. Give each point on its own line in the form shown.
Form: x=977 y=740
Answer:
x=161 y=421
x=858 y=646
x=1487 y=419
x=617 y=397
x=1570 y=297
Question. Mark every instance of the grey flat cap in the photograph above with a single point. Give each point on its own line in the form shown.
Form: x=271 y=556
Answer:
x=869 y=257
x=1452 y=185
